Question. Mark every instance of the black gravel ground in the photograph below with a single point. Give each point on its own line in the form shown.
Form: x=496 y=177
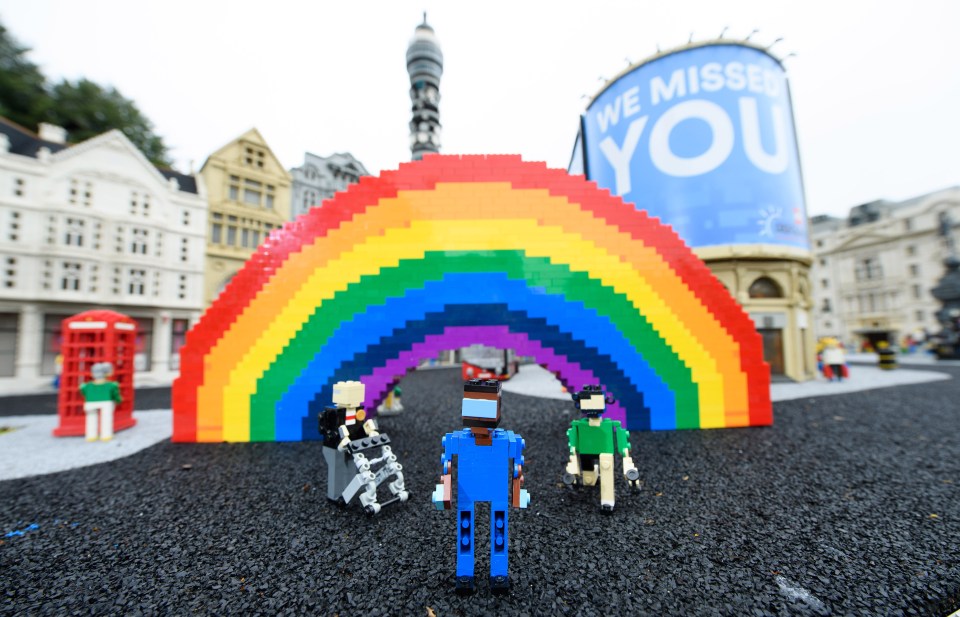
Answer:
x=848 y=505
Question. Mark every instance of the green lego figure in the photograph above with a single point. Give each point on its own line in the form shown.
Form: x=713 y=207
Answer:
x=100 y=397
x=592 y=447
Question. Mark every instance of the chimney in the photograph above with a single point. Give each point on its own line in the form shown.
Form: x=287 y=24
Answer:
x=53 y=133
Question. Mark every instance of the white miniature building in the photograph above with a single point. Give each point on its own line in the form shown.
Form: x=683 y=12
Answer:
x=94 y=225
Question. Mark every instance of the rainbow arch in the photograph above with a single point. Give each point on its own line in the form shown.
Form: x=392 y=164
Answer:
x=455 y=250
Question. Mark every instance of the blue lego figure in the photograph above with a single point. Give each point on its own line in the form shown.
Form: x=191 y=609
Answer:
x=484 y=452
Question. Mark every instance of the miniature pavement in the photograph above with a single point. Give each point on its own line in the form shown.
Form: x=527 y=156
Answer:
x=849 y=504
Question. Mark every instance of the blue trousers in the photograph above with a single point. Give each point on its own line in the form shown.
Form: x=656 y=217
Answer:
x=466 y=518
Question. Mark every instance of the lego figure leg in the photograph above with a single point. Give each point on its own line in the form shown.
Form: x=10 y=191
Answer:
x=499 y=540
x=90 y=410
x=106 y=420
x=588 y=466
x=339 y=472
x=465 y=555
x=606 y=482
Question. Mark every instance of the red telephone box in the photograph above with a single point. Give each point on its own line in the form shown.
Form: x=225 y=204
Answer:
x=88 y=338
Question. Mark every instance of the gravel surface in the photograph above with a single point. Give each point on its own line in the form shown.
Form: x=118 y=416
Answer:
x=848 y=505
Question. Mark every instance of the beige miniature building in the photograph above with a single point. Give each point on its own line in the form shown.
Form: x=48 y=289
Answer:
x=875 y=268
x=249 y=194
x=772 y=283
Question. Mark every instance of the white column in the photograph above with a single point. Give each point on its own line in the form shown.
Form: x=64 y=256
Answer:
x=162 y=331
x=29 y=342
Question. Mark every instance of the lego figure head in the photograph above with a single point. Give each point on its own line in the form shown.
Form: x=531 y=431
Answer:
x=591 y=401
x=481 y=404
x=101 y=370
x=349 y=395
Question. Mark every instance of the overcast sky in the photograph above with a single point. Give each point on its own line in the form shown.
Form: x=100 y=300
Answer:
x=876 y=85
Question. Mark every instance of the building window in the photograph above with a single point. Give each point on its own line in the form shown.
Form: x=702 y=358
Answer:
x=13 y=229
x=186 y=218
x=819 y=244
x=138 y=241
x=182 y=293
x=234 y=188
x=823 y=262
x=47 y=277
x=156 y=284
x=911 y=250
x=115 y=288
x=70 y=280
x=184 y=250
x=914 y=270
x=73 y=235
x=869 y=269
x=919 y=315
x=765 y=287
x=254 y=157
x=93 y=279
x=137 y=285
x=119 y=240
x=824 y=283
x=908 y=224
x=74 y=194
x=269 y=197
x=826 y=305
x=10 y=273
x=88 y=194
x=18 y=186
x=9 y=330
x=252 y=192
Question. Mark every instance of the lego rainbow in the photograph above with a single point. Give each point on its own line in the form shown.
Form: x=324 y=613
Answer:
x=451 y=251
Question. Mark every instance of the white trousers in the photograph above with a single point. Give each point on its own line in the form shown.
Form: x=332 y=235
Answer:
x=106 y=419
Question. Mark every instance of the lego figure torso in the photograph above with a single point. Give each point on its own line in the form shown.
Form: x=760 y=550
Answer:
x=480 y=469
x=598 y=439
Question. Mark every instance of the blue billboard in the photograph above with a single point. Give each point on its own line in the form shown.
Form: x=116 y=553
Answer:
x=702 y=138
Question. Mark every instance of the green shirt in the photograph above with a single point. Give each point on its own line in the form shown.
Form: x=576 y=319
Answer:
x=587 y=439
x=94 y=392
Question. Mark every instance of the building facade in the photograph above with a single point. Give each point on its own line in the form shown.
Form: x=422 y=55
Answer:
x=249 y=196
x=873 y=271
x=94 y=225
x=772 y=283
x=320 y=178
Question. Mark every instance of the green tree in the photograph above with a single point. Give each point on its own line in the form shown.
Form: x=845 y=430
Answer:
x=23 y=94
x=86 y=110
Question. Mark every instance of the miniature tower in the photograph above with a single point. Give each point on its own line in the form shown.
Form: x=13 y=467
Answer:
x=425 y=66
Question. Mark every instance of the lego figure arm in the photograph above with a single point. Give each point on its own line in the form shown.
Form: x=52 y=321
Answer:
x=521 y=498
x=370 y=428
x=573 y=465
x=115 y=393
x=630 y=472
x=443 y=492
x=344 y=438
